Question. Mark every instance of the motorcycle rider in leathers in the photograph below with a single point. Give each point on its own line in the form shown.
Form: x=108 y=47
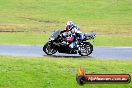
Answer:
x=74 y=35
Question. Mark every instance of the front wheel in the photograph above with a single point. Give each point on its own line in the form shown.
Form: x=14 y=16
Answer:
x=86 y=49
x=49 y=49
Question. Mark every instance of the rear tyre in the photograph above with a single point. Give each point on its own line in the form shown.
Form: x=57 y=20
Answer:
x=49 y=49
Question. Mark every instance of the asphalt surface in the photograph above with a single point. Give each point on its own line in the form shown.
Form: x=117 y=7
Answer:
x=124 y=53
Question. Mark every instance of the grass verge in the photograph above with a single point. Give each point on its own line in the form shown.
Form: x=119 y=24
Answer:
x=24 y=72
x=107 y=16
x=31 y=38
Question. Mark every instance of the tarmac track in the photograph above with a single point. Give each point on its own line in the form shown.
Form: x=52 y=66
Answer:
x=123 y=53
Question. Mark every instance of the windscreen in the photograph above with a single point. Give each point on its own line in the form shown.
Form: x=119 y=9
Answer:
x=56 y=33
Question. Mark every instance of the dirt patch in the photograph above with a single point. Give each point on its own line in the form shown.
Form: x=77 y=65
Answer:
x=38 y=20
x=12 y=31
x=11 y=26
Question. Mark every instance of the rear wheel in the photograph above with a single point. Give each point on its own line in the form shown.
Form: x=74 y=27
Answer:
x=86 y=49
x=49 y=49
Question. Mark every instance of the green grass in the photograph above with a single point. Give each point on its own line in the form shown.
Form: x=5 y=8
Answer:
x=24 y=72
x=110 y=19
x=23 y=38
x=113 y=40
x=91 y=15
x=30 y=38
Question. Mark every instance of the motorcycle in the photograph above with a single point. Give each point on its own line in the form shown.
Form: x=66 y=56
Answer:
x=56 y=44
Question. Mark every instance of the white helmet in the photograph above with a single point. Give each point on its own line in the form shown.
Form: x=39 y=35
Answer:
x=69 y=23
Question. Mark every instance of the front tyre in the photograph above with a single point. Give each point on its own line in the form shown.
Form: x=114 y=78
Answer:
x=86 y=49
x=49 y=49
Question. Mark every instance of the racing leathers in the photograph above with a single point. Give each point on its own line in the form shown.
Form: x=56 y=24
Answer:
x=74 y=36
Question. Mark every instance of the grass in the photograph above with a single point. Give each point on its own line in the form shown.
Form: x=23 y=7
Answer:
x=24 y=72
x=31 y=38
x=113 y=40
x=23 y=38
x=103 y=16
x=110 y=19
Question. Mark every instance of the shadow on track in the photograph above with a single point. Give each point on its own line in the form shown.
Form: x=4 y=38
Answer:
x=66 y=56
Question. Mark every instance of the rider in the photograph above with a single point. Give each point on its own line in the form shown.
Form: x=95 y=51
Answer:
x=73 y=31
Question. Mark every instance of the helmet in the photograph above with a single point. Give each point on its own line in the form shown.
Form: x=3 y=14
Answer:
x=69 y=23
